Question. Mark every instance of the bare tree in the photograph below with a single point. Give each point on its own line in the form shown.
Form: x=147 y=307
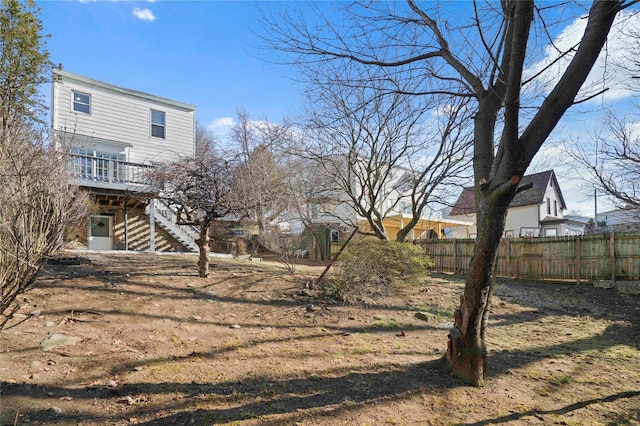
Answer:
x=611 y=154
x=311 y=198
x=205 y=138
x=612 y=160
x=479 y=53
x=258 y=188
x=199 y=189
x=285 y=245
x=388 y=154
x=37 y=202
x=37 y=206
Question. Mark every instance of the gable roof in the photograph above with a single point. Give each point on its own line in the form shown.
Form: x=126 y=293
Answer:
x=58 y=74
x=535 y=195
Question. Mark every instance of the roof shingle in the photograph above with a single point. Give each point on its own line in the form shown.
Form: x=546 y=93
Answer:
x=535 y=195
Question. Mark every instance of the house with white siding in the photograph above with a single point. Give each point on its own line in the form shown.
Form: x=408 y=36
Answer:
x=115 y=136
x=625 y=219
x=537 y=211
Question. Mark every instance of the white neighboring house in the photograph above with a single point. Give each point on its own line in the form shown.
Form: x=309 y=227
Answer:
x=533 y=212
x=619 y=220
x=339 y=217
x=116 y=135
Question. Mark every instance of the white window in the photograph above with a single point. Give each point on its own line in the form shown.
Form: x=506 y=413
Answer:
x=550 y=232
x=82 y=102
x=90 y=164
x=158 y=124
x=529 y=232
x=405 y=207
x=555 y=208
x=548 y=206
x=335 y=236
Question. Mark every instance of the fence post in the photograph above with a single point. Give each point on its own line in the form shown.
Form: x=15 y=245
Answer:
x=612 y=248
x=455 y=255
x=578 y=266
x=508 y=256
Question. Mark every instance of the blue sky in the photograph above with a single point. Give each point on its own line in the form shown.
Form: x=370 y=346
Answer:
x=204 y=53
x=199 y=52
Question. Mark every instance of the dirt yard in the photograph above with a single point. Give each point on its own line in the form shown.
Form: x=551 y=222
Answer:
x=148 y=342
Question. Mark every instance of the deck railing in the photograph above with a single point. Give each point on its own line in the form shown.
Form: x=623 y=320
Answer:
x=107 y=170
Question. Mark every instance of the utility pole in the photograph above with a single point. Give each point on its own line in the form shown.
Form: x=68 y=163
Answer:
x=595 y=202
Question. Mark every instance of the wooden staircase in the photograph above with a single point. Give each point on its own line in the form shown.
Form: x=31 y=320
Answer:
x=139 y=235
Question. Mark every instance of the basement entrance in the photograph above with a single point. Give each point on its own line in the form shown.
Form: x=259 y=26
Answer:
x=100 y=233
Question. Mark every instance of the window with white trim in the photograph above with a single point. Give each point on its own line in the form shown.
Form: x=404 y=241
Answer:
x=90 y=164
x=529 y=232
x=405 y=207
x=158 y=124
x=81 y=102
x=548 y=206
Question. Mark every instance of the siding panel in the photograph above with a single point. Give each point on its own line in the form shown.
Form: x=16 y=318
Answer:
x=125 y=118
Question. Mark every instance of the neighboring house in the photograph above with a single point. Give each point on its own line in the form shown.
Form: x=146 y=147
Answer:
x=335 y=217
x=398 y=207
x=116 y=135
x=533 y=212
x=580 y=223
x=618 y=220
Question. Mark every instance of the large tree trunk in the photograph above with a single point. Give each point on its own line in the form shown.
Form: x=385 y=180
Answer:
x=467 y=351
x=401 y=236
x=203 y=245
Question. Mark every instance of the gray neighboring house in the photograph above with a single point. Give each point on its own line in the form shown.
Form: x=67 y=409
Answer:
x=533 y=212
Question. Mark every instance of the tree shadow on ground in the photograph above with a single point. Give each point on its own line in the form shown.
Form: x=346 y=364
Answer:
x=568 y=299
x=338 y=389
x=614 y=335
x=559 y=411
x=253 y=397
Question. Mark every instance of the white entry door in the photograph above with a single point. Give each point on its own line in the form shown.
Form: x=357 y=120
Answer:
x=100 y=233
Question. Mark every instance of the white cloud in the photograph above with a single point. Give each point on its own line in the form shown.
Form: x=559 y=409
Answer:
x=608 y=62
x=634 y=131
x=144 y=14
x=221 y=123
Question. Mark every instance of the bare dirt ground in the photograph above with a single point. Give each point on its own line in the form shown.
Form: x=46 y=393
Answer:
x=250 y=345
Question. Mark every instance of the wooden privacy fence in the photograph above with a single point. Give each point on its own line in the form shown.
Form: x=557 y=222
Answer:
x=610 y=256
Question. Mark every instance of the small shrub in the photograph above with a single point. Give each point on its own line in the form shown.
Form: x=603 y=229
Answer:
x=369 y=269
x=284 y=245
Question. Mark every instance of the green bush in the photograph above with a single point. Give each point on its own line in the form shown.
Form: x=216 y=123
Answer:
x=369 y=268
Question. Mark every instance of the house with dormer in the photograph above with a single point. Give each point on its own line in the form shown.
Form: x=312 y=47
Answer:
x=536 y=211
x=115 y=136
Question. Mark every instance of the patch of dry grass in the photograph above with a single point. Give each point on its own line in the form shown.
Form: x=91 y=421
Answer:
x=161 y=346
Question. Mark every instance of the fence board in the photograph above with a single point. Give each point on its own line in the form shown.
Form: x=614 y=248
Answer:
x=577 y=258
